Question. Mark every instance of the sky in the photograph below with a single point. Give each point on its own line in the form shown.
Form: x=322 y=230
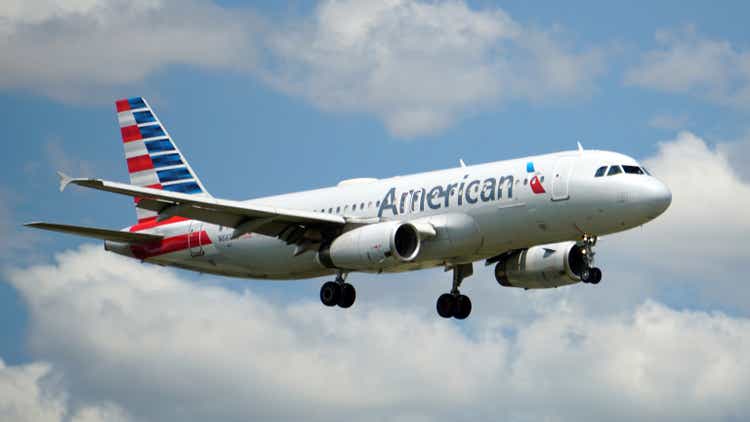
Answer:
x=271 y=97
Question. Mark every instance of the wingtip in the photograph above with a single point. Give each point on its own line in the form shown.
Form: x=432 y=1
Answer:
x=64 y=180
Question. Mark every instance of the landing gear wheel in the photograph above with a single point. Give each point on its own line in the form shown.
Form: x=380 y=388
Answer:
x=463 y=307
x=446 y=305
x=586 y=275
x=596 y=275
x=347 y=296
x=330 y=293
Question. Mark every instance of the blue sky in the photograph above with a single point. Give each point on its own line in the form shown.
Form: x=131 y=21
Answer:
x=271 y=97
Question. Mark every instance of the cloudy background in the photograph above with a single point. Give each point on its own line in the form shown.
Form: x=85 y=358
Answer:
x=281 y=96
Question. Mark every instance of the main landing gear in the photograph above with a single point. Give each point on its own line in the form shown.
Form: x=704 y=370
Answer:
x=454 y=304
x=590 y=274
x=338 y=292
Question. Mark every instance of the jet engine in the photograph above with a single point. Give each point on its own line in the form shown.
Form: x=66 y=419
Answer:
x=542 y=266
x=372 y=247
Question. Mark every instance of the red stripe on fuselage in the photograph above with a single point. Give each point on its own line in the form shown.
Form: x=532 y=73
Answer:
x=150 y=223
x=130 y=133
x=170 y=244
x=122 y=105
x=140 y=163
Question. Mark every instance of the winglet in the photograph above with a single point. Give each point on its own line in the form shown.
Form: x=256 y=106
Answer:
x=64 y=180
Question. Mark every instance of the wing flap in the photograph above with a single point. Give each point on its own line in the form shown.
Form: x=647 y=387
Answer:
x=96 y=233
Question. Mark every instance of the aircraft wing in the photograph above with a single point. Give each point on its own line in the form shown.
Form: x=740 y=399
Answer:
x=290 y=225
x=96 y=233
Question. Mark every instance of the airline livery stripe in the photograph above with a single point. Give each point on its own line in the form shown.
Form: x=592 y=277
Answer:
x=130 y=133
x=166 y=160
x=159 y=145
x=144 y=178
x=125 y=119
x=187 y=187
x=144 y=117
x=136 y=102
x=171 y=244
x=140 y=163
x=122 y=105
x=172 y=175
x=135 y=148
x=151 y=131
x=150 y=223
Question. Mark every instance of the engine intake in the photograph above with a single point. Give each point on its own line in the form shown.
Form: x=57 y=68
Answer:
x=542 y=266
x=373 y=247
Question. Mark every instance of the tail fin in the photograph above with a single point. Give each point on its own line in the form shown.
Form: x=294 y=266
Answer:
x=153 y=158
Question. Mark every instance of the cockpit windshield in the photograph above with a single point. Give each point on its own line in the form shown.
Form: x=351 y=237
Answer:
x=617 y=169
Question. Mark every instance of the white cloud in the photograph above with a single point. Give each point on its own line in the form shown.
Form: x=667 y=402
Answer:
x=420 y=66
x=28 y=393
x=697 y=249
x=687 y=63
x=69 y=50
x=160 y=348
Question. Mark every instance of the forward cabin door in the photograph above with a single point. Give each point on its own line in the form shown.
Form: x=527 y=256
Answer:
x=194 y=239
x=561 y=178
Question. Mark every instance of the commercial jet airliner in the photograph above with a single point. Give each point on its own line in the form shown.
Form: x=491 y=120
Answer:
x=537 y=219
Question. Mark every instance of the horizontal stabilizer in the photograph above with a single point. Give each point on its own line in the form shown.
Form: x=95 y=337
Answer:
x=103 y=234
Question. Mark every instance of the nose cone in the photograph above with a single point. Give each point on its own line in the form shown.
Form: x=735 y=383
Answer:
x=655 y=197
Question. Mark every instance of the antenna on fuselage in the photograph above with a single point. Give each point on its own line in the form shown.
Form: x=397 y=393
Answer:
x=580 y=147
x=461 y=161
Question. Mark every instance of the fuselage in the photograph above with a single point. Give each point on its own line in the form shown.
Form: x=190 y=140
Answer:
x=478 y=211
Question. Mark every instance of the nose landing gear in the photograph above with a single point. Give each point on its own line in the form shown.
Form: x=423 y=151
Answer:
x=454 y=304
x=590 y=274
x=338 y=292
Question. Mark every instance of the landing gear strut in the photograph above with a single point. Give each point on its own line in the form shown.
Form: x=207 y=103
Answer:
x=590 y=274
x=454 y=304
x=338 y=292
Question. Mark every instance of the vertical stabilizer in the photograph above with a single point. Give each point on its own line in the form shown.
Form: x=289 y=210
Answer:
x=152 y=157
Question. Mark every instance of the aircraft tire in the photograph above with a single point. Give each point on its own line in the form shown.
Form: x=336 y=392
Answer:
x=330 y=293
x=586 y=275
x=596 y=275
x=446 y=305
x=463 y=307
x=348 y=295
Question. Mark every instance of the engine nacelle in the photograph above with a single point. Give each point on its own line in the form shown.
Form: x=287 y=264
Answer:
x=373 y=247
x=542 y=266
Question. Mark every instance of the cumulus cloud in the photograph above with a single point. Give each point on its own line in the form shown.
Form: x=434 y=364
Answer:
x=68 y=50
x=685 y=62
x=29 y=393
x=421 y=65
x=155 y=347
x=418 y=66
x=697 y=249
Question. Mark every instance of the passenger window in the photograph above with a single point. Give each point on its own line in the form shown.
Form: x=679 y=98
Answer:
x=614 y=170
x=632 y=169
x=600 y=172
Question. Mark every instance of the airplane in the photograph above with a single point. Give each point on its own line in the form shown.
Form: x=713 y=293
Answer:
x=537 y=219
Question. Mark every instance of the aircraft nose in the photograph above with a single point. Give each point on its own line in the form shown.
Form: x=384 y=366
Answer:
x=655 y=197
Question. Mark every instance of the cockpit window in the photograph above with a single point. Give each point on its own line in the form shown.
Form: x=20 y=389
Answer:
x=600 y=172
x=614 y=170
x=645 y=170
x=632 y=169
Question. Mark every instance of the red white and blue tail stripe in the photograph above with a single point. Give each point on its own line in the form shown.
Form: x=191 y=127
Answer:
x=152 y=157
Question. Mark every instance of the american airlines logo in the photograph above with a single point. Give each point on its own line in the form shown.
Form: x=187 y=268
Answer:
x=535 y=183
x=446 y=196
